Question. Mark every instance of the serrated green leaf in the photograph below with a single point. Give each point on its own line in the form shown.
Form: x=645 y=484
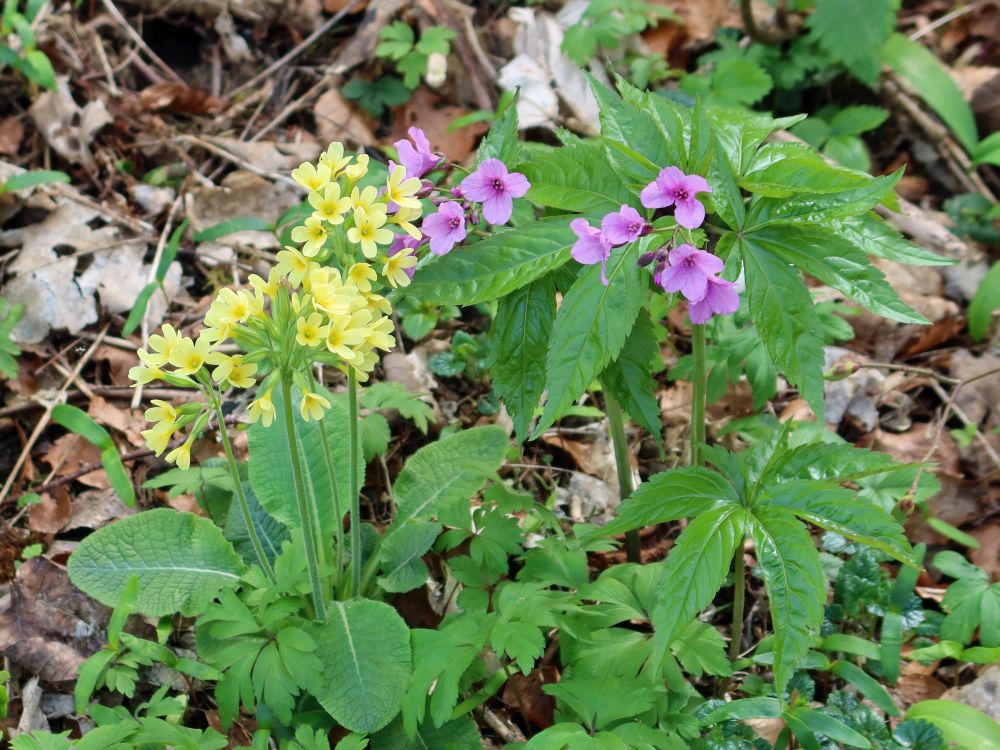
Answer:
x=496 y=266
x=364 y=652
x=181 y=561
x=518 y=340
x=452 y=468
x=795 y=585
x=849 y=30
x=397 y=39
x=628 y=377
x=806 y=208
x=590 y=329
x=436 y=39
x=501 y=142
x=740 y=81
x=879 y=239
x=575 y=178
x=458 y=734
x=781 y=170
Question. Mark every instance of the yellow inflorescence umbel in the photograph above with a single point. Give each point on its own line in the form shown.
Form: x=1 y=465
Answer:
x=320 y=304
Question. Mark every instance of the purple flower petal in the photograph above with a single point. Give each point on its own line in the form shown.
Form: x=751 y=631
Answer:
x=689 y=213
x=720 y=299
x=446 y=228
x=498 y=208
x=653 y=196
x=592 y=246
x=695 y=183
x=516 y=185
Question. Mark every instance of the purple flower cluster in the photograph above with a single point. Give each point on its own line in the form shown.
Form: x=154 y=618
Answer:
x=618 y=228
x=695 y=274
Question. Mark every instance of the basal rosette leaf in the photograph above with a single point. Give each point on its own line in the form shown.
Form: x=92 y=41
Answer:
x=497 y=265
x=182 y=561
x=401 y=556
x=795 y=585
x=364 y=651
x=590 y=329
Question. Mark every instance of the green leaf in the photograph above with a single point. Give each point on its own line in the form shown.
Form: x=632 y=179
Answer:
x=181 y=561
x=170 y=251
x=941 y=650
x=138 y=310
x=744 y=708
x=868 y=686
x=575 y=178
x=828 y=726
x=450 y=469
x=987 y=151
x=518 y=340
x=985 y=302
x=959 y=723
x=590 y=330
x=459 y=734
x=364 y=651
x=32 y=179
x=400 y=556
x=781 y=308
x=805 y=208
x=78 y=421
x=395 y=397
x=239 y=224
x=632 y=140
x=501 y=142
x=851 y=30
x=397 y=39
x=781 y=170
x=858 y=119
x=795 y=585
x=848 y=150
x=272 y=533
x=628 y=376
x=696 y=568
x=436 y=39
x=41 y=69
x=701 y=649
x=412 y=66
x=740 y=81
x=670 y=496
x=892 y=622
x=271 y=464
x=497 y=265
x=877 y=238
x=918 y=66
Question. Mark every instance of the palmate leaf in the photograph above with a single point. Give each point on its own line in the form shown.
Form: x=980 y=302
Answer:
x=795 y=584
x=804 y=208
x=496 y=266
x=669 y=496
x=590 y=329
x=364 y=652
x=519 y=338
x=843 y=512
x=632 y=141
x=695 y=570
x=180 y=559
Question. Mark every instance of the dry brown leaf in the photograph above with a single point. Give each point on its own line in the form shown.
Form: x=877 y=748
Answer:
x=987 y=556
x=118 y=418
x=94 y=509
x=176 y=97
x=11 y=133
x=50 y=626
x=339 y=120
x=51 y=513
x=702 y=18
x=268 y=156
x=524 y=693
x=912 y=447
x=70 y=453
x=67 y=128
x=915 y=687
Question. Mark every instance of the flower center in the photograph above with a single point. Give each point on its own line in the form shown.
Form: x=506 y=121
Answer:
x=455 y=223
x=497 y=184
x=682 y=194
x=633 y=228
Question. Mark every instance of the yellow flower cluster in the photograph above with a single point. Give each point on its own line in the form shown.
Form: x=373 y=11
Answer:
x=319 y=304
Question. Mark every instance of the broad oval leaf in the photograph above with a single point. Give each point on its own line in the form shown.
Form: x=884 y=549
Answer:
x=364 y=651
x=180 y=559
x=495 y=266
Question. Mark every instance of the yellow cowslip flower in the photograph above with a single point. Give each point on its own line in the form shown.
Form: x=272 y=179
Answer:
x=158 y=437
x=189 y=356
x=318 y=274
x=310 y=177
x=366 y=200
x=216 y=329
x=262 y=409
x=293 y=265
x=357 y=170
x=334 y=158
x=181 y=455
x=328 y=205
x=164 y=412
x=233 y=369
x=362 y=275
x=313 y=406
x=143 y=374
x=403 y=218
x=369 y=232
x=233 y=307
x=163 y=345
x=394 y=267
x=333 y=297
x=347 y=332
x=380 y=335
x=378 y=304
x=364 y=364
x=310 y=331
x=267 y=288
x=312 y=234
x=402 y=191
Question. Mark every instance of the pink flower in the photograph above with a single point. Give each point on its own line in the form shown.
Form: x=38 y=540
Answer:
x=416 y=157
x=674 y=188
x=402 y=242
x=689 y=272
x=446 y=228
x=591 y=247
x=624 y=226
x=496 y=189
x=720 y=299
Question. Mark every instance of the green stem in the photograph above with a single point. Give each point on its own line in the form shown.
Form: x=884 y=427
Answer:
x=258 y=548
x=338 y=511
x=739 y=590
x=616 y=422
x=354 y=489
x=698 y=394
x=305 y=517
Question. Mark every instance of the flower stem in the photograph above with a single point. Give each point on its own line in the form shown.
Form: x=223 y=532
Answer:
x=616 y=424
x=338 y=511
x=739 y=590
x=698 y=394
x=241 y=497
x=354 y=489
x=305 y=517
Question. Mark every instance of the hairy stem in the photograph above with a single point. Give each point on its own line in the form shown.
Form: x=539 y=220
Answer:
x=338 y=510
x=698 y=394
x=241 y=497
x=616 y=423
x=739 y=590
x=354 y=489
x=305 y=517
